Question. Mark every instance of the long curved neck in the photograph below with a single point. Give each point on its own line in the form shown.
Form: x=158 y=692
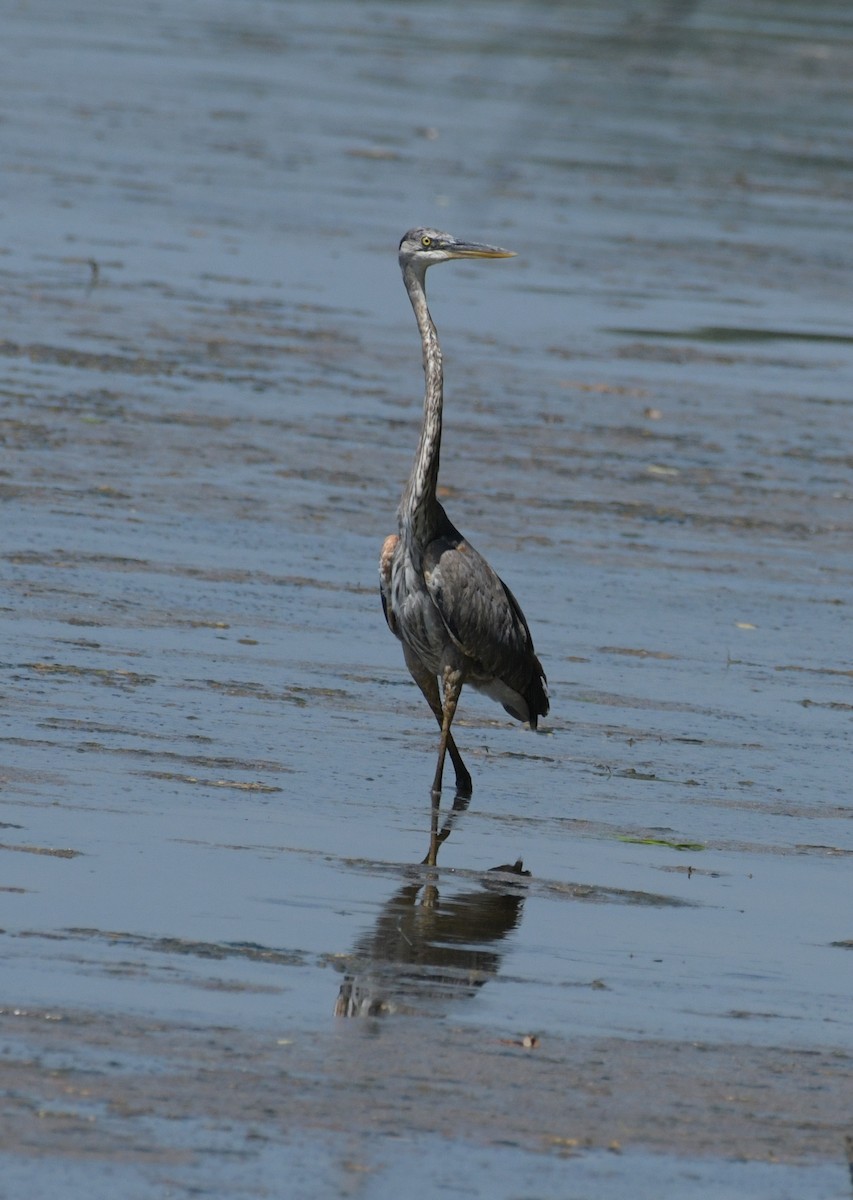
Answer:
x=420 y=512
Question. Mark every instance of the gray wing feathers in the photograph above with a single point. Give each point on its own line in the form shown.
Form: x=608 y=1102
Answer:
x=480 y=612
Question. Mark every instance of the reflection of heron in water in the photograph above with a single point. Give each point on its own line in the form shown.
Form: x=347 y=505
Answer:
x=428 y=949
x=458 y=622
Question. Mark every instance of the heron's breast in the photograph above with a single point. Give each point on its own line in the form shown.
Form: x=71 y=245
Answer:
x=418 y=620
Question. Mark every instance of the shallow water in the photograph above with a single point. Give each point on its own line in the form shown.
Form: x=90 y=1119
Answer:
x=215 y=768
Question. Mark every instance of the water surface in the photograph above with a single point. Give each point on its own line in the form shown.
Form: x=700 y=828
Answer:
x=215 y=768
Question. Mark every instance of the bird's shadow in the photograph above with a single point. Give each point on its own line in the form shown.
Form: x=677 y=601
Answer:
x=426 y=950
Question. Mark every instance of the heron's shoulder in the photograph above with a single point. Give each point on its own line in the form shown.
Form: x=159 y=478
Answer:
x=386 y=555
x=456 y=560
x=475 y=603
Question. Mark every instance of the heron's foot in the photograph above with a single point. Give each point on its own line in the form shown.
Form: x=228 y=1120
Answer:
x=437 y=836
x=435 y=840
x=461 y=801
x=464 y=783
x=464 y=787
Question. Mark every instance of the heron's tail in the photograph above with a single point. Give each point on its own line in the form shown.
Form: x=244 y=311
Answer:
x=536 y=695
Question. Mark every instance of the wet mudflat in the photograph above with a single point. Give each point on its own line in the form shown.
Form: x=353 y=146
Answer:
x=223 y=965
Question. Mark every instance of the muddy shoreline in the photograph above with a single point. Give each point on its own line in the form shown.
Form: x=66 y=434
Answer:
x=92 y=1080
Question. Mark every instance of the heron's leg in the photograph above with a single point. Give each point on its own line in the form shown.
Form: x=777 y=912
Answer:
x=434 y=840
x=429 y=686
x=452 y=688
x=460 y=804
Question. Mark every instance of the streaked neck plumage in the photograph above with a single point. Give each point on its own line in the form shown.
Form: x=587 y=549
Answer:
x=420 y=514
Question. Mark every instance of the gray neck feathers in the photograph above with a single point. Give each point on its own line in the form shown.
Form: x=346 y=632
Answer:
x=419 y=512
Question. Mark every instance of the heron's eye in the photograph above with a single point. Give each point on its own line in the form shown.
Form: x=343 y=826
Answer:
x=426 y=241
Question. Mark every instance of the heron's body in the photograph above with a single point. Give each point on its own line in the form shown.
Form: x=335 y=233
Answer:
x=458 y=622
x=452 y=612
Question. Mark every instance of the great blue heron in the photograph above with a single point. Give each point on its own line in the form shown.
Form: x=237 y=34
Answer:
x=458 y=622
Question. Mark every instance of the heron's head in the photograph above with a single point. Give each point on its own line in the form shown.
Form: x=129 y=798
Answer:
x=420 y=248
